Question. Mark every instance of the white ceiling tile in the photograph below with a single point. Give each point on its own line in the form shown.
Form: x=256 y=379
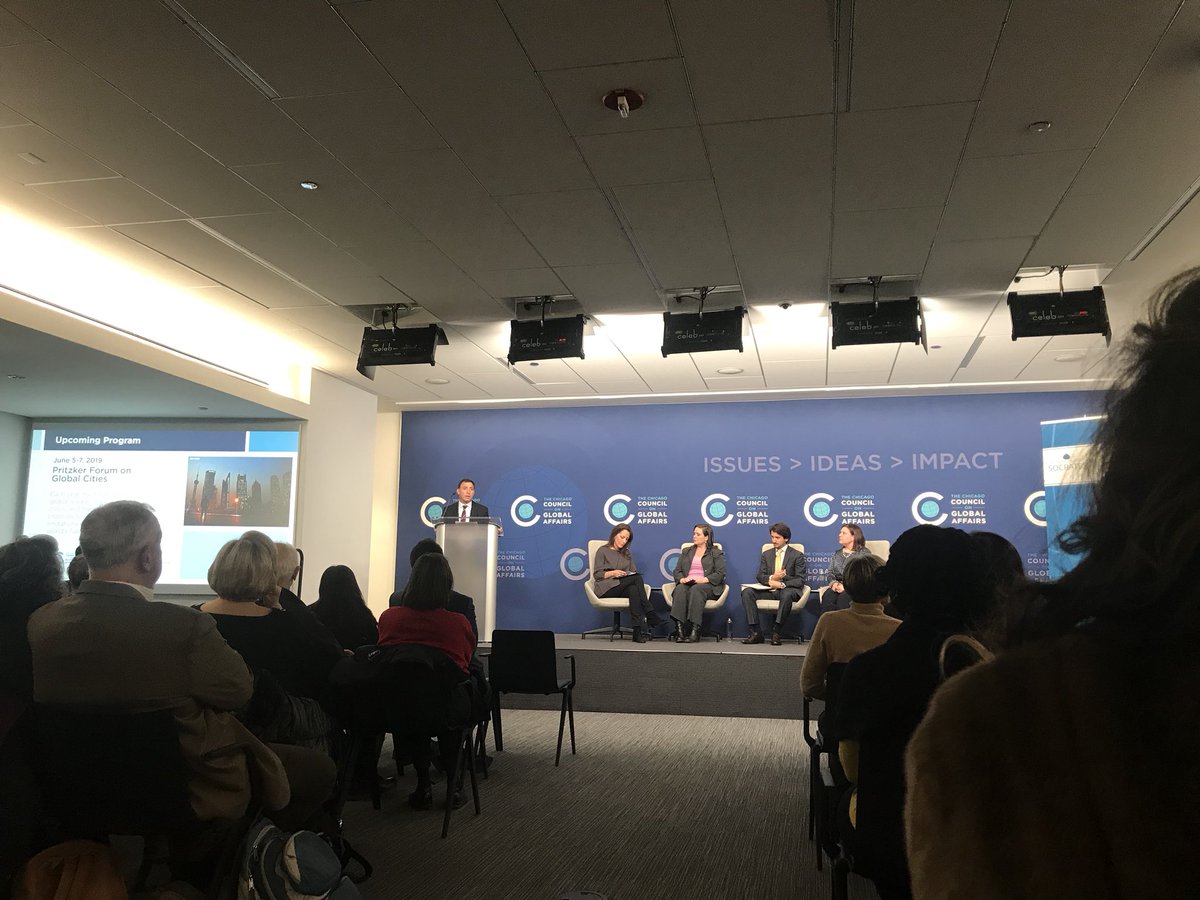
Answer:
x=130 y=253
x=1005 y=196
x=612 y=388
x=22 y=146
x=644 y=157
x=857 y=379
x=935 y=51
x=110 y=201
x=915 y=366
x=331 y=323
x=859 y=358
x=363 y=123
x=515 y=164
x=754 y=59
x=973 y=266
x=300 y=47
x=571 y=227
x=15 y=31
x=883 y=241
x=35 y=207
x=610 y=287
x=672 y=382
x=773 y=179
x=735 y=382
x=566 y=390
x=391 y=385
x=999 y=359
x=611 y=368
x=578 y=93
x=9 y=116
x=1069 y=69
x=560 y=35
x=548 y=371
x=519 y=282
x=680 y=229
x=894 y=158
x=456 y=389
x=794 y=374
x=1090 y=229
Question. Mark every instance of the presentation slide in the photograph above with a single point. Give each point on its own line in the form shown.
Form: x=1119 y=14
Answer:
x=207 y=484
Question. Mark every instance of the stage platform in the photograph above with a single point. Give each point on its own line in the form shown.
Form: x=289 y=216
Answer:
x=711 y=678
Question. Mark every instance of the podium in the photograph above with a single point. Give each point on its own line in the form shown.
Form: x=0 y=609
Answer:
x=470 y=548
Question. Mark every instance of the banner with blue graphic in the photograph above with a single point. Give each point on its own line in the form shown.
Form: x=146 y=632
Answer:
x=1066 y=451
x=560 y=477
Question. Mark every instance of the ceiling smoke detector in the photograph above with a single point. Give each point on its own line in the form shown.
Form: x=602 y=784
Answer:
x=624 y=101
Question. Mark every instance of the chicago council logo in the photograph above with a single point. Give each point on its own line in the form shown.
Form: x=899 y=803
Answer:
x=927 y=508
x=818 y=509
x=432 y=509
x=524 y=511
x=574 y=564
x=667 y=562
x=1035 y=508
x=618 y=509
x=714 y=509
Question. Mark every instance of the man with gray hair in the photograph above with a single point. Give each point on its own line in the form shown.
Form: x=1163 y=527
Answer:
x=108 y=646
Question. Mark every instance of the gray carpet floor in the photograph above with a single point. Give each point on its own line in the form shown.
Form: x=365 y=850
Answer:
x=651 y=807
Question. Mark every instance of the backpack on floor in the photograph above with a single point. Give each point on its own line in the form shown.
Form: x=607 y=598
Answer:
x=277 y=865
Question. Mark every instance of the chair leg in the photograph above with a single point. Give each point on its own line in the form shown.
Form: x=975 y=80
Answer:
x=453 y=774
x=839 y=881
x=562 y=721
x=813 y=762
x=469 y=746
x=571 y=718
x=497 y=725
x=481 y=746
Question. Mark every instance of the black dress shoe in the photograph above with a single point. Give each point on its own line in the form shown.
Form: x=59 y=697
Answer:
x=755 y=637
x=776 y=639
x=639 y=636
x=421 y=798
x=693 y=635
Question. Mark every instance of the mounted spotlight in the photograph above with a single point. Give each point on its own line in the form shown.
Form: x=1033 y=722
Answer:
x=398 y=347
x=877 y=321
x=546 y=338
x=1059 y=312
x=702 y=331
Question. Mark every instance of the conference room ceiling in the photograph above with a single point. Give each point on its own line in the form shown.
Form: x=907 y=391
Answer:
x=464 y=158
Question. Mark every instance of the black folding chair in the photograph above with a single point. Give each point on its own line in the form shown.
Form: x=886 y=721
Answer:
x=525 y=662
x=103 y=773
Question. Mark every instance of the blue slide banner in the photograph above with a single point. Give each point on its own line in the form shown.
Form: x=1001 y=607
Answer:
x=560 y=477
x=1066 y=449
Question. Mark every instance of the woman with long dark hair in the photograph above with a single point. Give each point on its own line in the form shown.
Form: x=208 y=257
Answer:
x=852 y=543
x=617 y=576
x=698 y=575
x=341 y=608
x=1070 y=765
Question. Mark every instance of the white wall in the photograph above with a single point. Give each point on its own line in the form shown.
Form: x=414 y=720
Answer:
x=336 y=490
x=383 y=518
x=14 y=458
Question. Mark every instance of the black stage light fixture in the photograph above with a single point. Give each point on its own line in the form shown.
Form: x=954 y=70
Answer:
x=877 y=322
x=1059 y=312
x=719 y=329
x=546 y=339
x=398 y=347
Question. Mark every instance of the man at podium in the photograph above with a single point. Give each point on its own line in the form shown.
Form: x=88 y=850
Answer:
x=465 y=509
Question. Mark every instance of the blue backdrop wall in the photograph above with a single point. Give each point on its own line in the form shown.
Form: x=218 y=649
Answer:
x=559 y=477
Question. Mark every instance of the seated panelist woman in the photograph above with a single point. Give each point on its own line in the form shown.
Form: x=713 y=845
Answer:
x=699 y=575
x=617 y=576
x=851 y=543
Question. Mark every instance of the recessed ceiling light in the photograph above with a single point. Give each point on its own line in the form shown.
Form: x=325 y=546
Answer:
x=534 y=364
x=935 y=346
x=730 y=370
x=1070 y=357
x=309 y=185
x=437 y=380
x=1040 y=127
x=202 y=408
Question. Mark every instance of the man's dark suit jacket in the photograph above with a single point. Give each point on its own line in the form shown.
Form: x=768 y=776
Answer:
x=794 y=567
x=450 y=512
x=459 y=603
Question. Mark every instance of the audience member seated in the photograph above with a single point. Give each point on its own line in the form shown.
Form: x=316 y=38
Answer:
x=340 y=607
x=458 y=603
x=851 y=543
x=290 y=664
x=617 y=576
x=843 y=634
x=77 y=573
x=1067 y=766
x=30 y=577
x=937 y=577
x=422 y=618
x=699 y=575
x=287 y=569
x=109 y=646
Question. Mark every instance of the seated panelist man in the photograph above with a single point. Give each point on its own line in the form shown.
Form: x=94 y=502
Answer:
x=782 y=569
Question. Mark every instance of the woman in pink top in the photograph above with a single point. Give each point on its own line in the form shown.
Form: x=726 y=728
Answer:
x=699 y=575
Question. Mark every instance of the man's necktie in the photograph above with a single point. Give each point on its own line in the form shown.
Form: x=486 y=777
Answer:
x=462 y=512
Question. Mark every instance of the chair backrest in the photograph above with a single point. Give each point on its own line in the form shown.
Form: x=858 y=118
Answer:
x=833 y=687
x=880 y=548
x=112 y=773
x=523 y=662
x=409 y=689
x=592 y=547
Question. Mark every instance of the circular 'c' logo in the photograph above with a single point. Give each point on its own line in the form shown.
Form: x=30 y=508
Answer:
x=618 y=509
x=524 y=511
x=818 y=509
x=927 y=508
x=714 y=510
x=667 y=562
x=574 y=564
x=432 y=509
x=1035 y=508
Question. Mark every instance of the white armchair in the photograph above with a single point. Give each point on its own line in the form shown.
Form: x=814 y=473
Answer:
x=609 y=604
